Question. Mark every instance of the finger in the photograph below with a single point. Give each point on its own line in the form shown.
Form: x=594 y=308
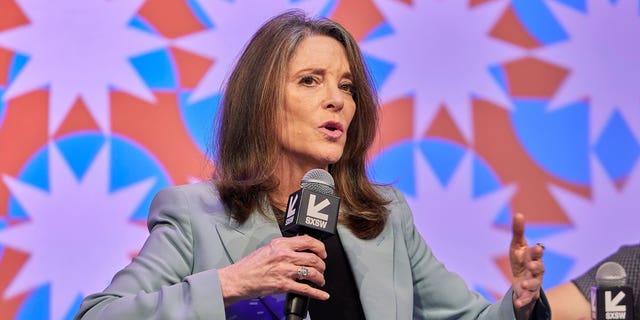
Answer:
x=537 y=251
x=525 y=297
x=307 y=290
x=304 y=273
x=525 y=300
x=531 y=285
x=517 y=229
x=536 y=268
x=299 y=244
x=522 y=301
x=309 y=259
x=306 y=243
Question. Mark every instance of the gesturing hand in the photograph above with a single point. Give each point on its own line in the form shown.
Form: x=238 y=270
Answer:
x=274 y=268
x=527 y=269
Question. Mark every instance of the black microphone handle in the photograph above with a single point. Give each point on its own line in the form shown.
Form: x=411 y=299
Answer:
x=296 y=306
x=293 y=317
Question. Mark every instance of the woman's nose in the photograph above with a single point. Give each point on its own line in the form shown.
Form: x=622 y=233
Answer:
x=335 y=98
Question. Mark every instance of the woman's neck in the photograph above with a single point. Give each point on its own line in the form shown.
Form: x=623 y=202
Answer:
x=289 y=175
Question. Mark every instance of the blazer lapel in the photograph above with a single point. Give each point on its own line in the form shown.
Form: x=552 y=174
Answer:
x=239 y=240
x=372 y=265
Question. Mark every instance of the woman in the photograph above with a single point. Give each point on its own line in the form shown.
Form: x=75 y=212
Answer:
x=299 y=98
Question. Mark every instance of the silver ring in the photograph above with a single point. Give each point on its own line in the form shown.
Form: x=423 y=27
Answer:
x=303 y=272
x=540 y=245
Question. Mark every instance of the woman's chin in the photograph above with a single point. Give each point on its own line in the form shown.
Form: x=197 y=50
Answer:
x=325 y=160
x=332 y=160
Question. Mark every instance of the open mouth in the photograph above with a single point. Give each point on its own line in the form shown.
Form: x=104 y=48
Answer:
x=332 y=129
x=332 y=126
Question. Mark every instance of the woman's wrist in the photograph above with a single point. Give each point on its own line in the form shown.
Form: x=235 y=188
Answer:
x=229 y=286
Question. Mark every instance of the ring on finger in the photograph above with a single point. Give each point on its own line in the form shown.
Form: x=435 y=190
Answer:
x=303 y=272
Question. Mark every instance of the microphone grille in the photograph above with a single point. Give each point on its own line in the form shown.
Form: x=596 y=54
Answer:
x=318 y=180
x=611 y=274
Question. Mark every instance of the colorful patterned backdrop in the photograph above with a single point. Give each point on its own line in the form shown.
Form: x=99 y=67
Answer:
x=489 y=107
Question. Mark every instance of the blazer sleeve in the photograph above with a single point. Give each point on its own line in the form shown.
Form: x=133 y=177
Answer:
x=439 y=293
x=159 y=283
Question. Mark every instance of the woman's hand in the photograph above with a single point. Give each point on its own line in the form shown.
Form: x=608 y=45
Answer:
x=527 y=269
x=275 y=268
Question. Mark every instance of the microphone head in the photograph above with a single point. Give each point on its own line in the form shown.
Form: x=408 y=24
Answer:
x=611 y=274
x=318 y=180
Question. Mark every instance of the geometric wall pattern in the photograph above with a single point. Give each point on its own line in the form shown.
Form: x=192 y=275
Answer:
x=489 y=107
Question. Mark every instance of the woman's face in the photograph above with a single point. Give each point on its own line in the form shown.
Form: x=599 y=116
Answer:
x=318 y=103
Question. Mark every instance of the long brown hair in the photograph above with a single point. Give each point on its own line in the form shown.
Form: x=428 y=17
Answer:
x=247 y=148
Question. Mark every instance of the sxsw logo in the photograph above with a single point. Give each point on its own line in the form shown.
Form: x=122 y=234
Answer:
x=291 y=208
x=314 y=215
x=312 y=210
x=612 y=303
x=612 y=307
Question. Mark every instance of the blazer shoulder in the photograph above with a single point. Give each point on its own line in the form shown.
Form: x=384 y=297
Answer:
x=399 y=211
x=394 y=196
x=388 y=192
x=196 y=198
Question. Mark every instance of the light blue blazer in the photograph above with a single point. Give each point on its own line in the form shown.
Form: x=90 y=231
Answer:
x=175 y=277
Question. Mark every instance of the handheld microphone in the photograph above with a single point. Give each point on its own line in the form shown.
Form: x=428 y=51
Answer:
x=611 y=298
x=312 y=210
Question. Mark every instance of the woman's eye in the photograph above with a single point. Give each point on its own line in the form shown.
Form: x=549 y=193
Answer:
x=307 y=80
x=347 y=87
